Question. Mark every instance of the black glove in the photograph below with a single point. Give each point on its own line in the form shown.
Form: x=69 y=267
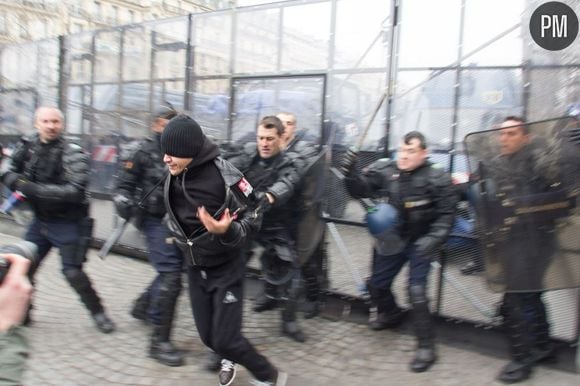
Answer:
x=125 y=206
x=10 y=178
x=27 y=188
x=426 y=245
x=575 y=135
x=348 y=162
x=262 y=201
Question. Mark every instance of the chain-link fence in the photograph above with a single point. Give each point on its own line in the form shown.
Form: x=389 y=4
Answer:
x=449 y=68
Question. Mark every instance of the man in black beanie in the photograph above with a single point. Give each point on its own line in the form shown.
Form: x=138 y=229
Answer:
x=210 y=215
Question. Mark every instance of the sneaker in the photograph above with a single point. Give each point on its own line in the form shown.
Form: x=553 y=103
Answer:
x=227 y=372
x=280 y=380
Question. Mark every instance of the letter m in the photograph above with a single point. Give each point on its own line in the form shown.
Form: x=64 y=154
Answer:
x=560 y=29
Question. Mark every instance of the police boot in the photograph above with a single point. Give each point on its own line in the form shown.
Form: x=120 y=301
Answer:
x=267 y=298
x=292 y=330
x=290 y=326
x=161 y=347
x=82 y=285
x=163 y=350
x=141 y=305
x=544 y=350
x=425 y=355
x=515 y=371
x=311 y=306
x=520 y=368
x=388 y=314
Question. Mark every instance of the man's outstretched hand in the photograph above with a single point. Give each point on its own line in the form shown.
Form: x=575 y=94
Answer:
x=218 y=227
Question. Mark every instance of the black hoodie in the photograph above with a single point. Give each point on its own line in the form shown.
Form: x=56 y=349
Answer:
x=204 y=186
x=214 y=183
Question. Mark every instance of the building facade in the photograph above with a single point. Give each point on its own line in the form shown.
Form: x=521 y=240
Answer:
x=25 y=20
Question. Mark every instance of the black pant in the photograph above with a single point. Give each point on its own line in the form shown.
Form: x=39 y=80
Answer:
x=526 y=324
x=216 y=296
x=280 y=261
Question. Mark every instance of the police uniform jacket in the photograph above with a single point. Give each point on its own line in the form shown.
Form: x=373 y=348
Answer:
x=306 y=150
x=425 y=198
x=141 y=173
x=54 y=177
x=278 y=175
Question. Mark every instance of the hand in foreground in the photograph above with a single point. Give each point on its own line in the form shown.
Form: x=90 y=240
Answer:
x=15 y=292
x=212 y=225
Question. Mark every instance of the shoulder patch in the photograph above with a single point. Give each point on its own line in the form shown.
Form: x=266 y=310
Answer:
x=75 y=146
x=245 y=187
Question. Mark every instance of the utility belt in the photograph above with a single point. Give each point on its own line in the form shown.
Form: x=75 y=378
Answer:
x=418 y=204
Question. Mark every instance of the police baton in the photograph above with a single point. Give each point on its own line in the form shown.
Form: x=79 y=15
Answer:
x=113 y=239
x=356 y=276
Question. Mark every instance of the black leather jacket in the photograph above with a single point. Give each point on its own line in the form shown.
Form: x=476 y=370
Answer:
x=280 y=177
x=425 y=197
x=60 y=169
x=204 y=249
x=141 y=173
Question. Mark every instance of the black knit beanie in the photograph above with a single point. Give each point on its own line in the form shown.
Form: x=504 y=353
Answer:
x=182 y=137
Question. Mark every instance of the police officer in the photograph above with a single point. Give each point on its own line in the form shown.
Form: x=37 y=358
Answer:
x=212 y=218
x=53 y=174
x=425 y=202
x=518 y=171
x=275 y=175
x=140 y=182
x=297 y=141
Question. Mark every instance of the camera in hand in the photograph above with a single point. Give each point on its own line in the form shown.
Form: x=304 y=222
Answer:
x=22 y=248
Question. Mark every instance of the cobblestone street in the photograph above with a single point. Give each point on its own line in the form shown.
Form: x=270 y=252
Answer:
x=69 y=351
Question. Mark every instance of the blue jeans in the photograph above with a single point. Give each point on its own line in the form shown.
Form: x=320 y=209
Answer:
x=164 y=256
x=385 y=268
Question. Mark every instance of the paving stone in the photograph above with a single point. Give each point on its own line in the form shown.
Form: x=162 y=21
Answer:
x=69 y=350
